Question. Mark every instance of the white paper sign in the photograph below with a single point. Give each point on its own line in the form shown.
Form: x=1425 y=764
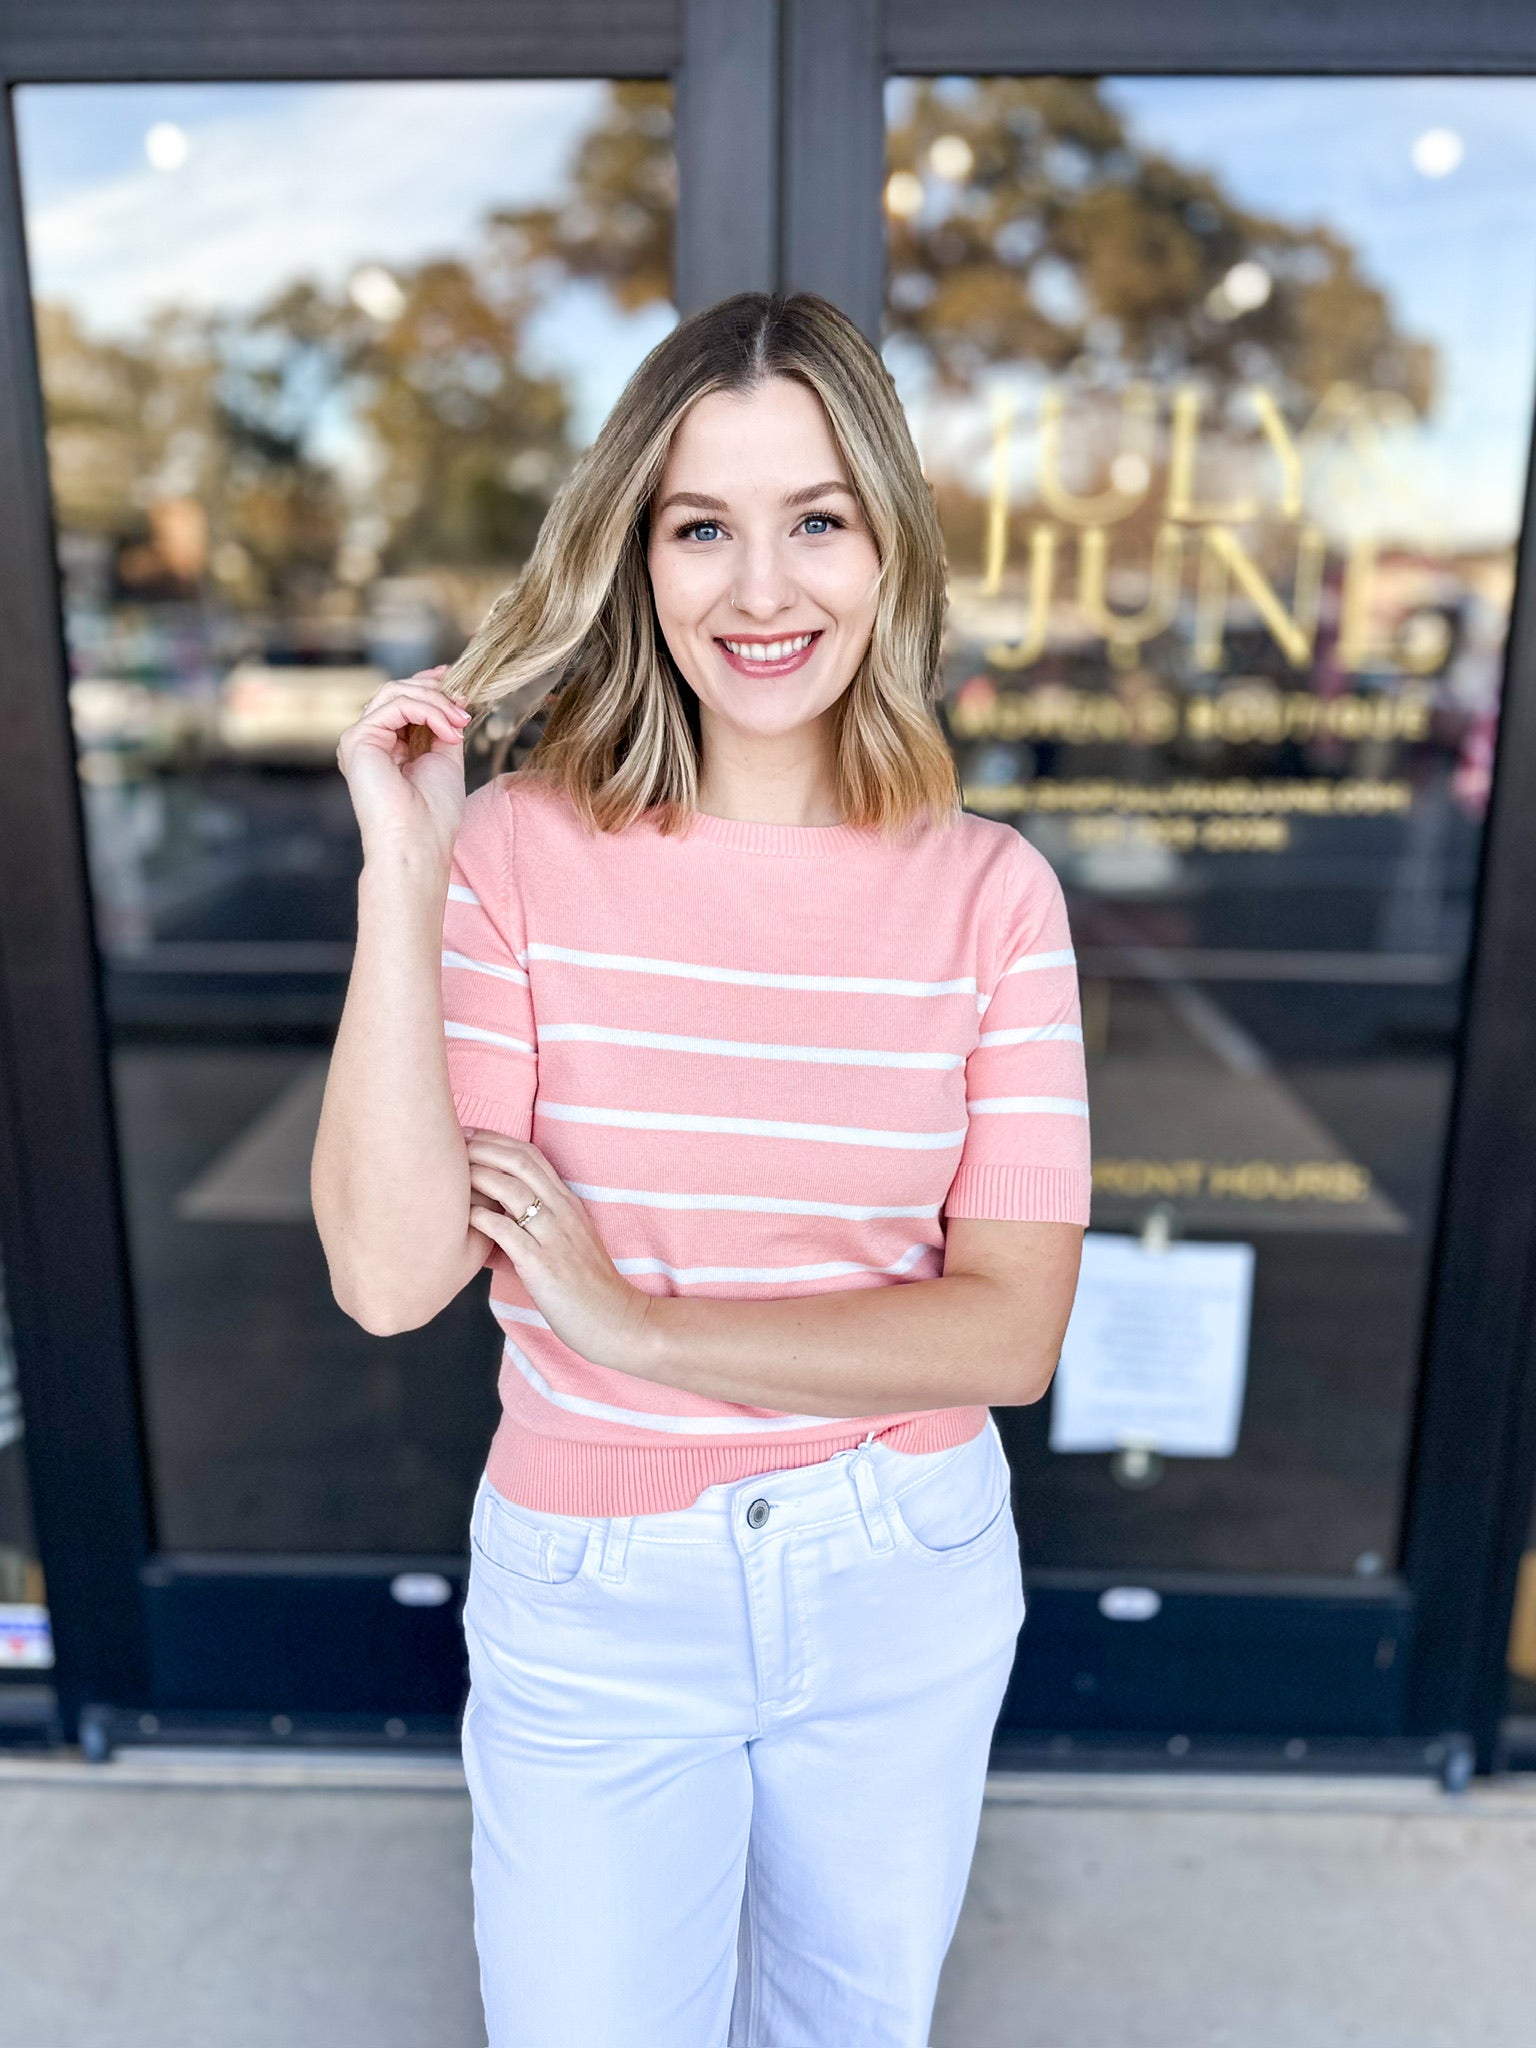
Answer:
x=1156 y=1353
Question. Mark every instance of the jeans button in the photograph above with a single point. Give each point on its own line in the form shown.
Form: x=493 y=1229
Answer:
x=757 y=1514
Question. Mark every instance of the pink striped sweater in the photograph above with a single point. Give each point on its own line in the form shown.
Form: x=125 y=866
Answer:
x=771 y=1059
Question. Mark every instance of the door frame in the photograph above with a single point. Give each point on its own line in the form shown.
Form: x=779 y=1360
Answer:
x=136 y=1629
x=1411 y=1656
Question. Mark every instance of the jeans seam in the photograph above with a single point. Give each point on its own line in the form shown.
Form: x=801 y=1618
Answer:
x=753 y=1952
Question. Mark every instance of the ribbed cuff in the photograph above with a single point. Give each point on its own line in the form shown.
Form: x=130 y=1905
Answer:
x=485 y=1113
x=1022 y=1194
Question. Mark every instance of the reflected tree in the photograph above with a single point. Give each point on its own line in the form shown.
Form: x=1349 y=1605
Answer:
x=1027 y=224
x=613 y=225
x=345 y=433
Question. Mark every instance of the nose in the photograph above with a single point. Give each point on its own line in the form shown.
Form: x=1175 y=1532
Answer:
x=763 y=585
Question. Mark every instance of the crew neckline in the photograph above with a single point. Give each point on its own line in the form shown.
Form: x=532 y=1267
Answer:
x=747 y=835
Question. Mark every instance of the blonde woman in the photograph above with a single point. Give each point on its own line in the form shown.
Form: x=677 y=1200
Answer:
x=751 y=1066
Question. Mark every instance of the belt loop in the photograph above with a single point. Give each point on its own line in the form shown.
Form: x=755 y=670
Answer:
x=615 y=1546
x=877 y=1518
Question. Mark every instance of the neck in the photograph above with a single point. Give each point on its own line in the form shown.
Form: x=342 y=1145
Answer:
x=786 y=779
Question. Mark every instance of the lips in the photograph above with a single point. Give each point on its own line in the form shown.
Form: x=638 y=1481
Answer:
x=786 y=664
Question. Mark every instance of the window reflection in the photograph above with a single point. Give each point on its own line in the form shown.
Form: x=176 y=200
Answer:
x=315 y=359
x=1224 y=388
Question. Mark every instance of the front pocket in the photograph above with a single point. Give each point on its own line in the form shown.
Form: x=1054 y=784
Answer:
x=944 y=1522
x=543 y=1550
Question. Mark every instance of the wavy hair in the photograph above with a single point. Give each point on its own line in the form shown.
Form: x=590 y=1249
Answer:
x=621 y=735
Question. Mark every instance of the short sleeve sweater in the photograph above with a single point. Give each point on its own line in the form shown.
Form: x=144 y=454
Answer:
x=771 y=1060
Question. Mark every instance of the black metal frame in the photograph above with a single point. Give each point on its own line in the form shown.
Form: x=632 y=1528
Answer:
x=780 y=145
x=1473 y=1464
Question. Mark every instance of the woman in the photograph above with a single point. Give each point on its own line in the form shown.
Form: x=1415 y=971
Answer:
x=704 y=1029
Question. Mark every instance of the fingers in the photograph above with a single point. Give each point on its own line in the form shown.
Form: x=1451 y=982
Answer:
x=514 y=1173
x=417 y=687
x=516 y=1197
x=500 y=1229
x=380 y=756
x=389 y=719
x=386 y=721
x=517 y=1156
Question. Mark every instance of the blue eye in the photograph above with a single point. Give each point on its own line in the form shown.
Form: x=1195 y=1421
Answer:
x=695 y=526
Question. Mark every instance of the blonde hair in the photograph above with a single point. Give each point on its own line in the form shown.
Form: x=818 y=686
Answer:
x=621 y=736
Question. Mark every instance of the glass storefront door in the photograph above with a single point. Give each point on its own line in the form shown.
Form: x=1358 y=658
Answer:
x=310 y=380
x=309 y=388
x=1224 y=387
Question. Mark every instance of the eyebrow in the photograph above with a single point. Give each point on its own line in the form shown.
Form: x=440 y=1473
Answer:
x=705 y=503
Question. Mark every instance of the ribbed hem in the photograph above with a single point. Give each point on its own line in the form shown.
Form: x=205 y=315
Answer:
x=485 y=1113
x=566 y=1476
x=1022 y=1194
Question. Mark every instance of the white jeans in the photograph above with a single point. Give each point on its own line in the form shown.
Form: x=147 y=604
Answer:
x=726 y=1765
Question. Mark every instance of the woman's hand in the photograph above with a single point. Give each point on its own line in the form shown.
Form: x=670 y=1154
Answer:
x=414 y=806
x=557 y=1254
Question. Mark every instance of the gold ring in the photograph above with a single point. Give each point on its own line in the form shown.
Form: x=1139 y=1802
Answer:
x=528 y=1214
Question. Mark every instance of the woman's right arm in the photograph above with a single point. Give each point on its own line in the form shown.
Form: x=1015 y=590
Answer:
x=389 y=1180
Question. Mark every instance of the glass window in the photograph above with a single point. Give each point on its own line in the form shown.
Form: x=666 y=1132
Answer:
x=1224 y=387
x=315 y=358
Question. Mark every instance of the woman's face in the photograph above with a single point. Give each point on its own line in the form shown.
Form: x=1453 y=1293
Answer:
x=762 y=565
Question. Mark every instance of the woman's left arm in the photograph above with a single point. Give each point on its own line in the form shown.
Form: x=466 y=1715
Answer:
x=988 y=1330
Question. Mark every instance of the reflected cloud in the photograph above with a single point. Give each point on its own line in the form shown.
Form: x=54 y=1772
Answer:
x=300 y=185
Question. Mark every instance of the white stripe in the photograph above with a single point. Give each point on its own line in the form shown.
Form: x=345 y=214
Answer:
x=701 y=1276
x=832 y=1269
x=457 y=893
x=672 y=1425
x=485 y=1037
x=748 y=1127
x=485 y=967
x=1031 y=1034
x=751 y=1205
x=749 y=1049
x=1011 y=1105
x=1030 y=963
x=845 y=984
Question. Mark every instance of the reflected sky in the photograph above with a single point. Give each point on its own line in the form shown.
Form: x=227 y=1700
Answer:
x=282 y=181
x=1456 y=253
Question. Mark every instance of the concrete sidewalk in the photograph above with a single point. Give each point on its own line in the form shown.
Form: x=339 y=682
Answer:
x=197 y=1900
